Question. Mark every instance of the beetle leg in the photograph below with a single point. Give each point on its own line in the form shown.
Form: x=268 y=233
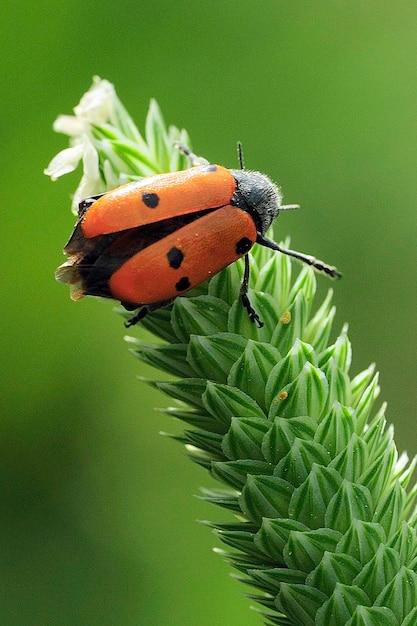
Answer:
x=143 y=311
x=194 y=159
x=253 y=316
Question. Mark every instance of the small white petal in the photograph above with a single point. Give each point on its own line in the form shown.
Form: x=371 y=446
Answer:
x=97 y=103
x=70 y=125
x=85 y=189
x=90 y=161
x=91 y=183
x=110 y=176
x=64 y=162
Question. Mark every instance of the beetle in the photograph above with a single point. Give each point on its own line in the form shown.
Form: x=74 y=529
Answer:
x=151 y=240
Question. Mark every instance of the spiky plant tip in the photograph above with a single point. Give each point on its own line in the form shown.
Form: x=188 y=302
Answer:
x=325 y=519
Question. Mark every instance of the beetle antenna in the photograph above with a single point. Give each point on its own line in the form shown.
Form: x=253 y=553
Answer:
x=240 y=155
x=289 y=207
x=319 y=266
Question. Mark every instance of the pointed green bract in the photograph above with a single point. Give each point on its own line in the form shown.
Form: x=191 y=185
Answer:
x=194 y=316
x=325 y=525
x=374 y=616
x=341 y=605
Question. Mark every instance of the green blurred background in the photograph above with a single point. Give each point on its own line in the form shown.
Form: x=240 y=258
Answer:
x=97 y=510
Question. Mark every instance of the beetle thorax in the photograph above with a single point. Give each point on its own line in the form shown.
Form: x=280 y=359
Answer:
x=258 y=195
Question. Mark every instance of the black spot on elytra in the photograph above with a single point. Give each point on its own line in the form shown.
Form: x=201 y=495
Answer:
x=183 y=283
x=175 y=258
x=243 y=245
x=209 y=168
x=151 y=200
